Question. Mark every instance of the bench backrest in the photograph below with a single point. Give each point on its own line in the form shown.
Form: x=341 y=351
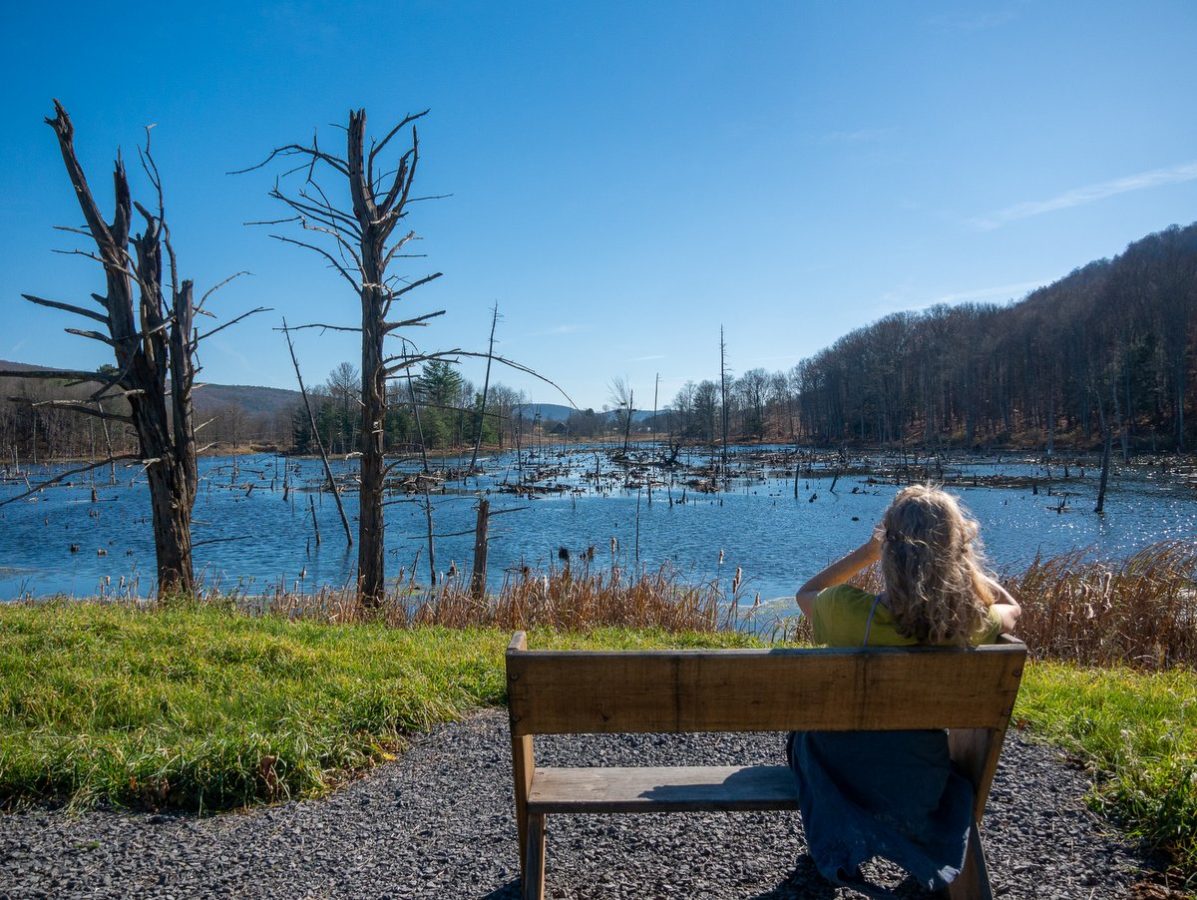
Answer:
x=583 y=692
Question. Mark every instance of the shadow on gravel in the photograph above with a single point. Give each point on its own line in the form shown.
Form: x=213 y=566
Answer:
x=806 y=882
x=509 y=891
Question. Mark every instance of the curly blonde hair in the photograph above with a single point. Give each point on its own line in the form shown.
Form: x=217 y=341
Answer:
x=933 y=566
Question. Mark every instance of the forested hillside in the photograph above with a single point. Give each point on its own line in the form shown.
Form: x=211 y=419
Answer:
x=1114 y=342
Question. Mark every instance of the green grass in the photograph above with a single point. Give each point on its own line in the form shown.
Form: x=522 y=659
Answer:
x=1137 y=732
x=199 y=707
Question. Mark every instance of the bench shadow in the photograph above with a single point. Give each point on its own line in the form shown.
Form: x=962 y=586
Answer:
x=509 y=891
x=805 y=881
x=773 y=785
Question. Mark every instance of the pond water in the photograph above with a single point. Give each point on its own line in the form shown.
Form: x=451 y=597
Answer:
x=249 y=537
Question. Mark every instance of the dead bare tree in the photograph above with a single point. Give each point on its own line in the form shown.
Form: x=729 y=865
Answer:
x=494 y=320
x=359 y=246
x=361 y=252
x=148 y=316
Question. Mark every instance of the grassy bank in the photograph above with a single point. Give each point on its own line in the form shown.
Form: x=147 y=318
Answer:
x=201 y=707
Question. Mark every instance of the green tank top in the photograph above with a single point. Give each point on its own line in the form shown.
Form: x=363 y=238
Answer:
x=840 y=618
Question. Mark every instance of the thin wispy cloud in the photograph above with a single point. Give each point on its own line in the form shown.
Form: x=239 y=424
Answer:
x=560 y=329
x=1001 y=291
x=859 y=136
x=973 y=22
x=907 y=300
x=1088 y=194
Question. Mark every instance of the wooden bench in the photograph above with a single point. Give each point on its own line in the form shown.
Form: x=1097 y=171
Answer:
x=969 y=692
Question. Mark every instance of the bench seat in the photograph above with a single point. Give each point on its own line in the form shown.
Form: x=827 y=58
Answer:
x=641 y=789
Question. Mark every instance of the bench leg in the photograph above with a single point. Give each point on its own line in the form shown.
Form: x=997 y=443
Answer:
x=973 y=881
x=534 y=858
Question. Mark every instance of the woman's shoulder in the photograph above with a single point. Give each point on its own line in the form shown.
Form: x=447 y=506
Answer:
x=844 y=595
x=844 y=614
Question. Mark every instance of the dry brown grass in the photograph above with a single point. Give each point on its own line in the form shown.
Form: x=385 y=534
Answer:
x=561 y=598
x=1140 y=611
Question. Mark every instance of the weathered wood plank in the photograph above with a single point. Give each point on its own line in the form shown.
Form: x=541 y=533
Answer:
x=667 y=789
x=761 y=690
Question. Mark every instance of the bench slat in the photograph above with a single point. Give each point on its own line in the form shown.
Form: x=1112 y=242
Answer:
x=667 y=789
x=775 y=690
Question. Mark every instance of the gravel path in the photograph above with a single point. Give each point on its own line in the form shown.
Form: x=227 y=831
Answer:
x=439 y=822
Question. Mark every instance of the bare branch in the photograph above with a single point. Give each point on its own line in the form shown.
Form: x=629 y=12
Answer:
x=329 y=217
x=418 y=320
x=321 y=325
x=63 y=374
x=64 y=475
x=274 y=221
x=296 y=149
x=94 y=335
x=336 y=265
x=453 y=354
x=216 y=287
x=407 y=120
x=403 y=180
x=244 y=315
x=55 y=304
x=399 y=245
x=75 y=407
x=395 y=295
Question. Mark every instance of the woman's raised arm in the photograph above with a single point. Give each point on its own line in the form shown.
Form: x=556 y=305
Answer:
x=839 y=571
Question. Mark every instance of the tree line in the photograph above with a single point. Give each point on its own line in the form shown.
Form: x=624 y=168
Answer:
x=1110 y=349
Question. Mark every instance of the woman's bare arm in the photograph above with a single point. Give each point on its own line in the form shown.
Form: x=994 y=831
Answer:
x=839 y=571
x=1004 y=603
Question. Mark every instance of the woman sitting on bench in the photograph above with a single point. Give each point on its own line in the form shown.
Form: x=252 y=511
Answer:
x=894 y=794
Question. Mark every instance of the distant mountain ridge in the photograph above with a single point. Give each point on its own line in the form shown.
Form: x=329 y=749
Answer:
x=208 y=397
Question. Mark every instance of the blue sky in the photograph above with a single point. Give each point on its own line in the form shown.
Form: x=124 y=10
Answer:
x=625 y=177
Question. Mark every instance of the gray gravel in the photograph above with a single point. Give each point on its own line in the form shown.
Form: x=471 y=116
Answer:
x=439 y=822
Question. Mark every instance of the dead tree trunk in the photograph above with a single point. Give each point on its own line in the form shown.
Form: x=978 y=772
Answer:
x=481 y=545
x=328 y=475
x=360 y=236
x=152 y=335
x=494 y=320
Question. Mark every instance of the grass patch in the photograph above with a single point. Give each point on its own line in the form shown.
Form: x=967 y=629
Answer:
x=199 y=707
x=1137 y=732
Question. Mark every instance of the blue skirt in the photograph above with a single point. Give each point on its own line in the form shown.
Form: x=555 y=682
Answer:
x=892 y=794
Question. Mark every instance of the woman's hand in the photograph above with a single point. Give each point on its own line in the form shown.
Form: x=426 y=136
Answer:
x=840 y=571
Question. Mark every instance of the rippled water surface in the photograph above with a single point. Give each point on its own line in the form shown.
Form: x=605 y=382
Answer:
x=247 y=536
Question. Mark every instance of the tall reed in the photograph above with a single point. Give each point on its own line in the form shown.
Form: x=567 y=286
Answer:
x=1140 y=611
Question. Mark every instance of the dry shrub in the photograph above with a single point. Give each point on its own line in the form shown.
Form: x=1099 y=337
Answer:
x=559 y=599
x=565 y=600
x=1140 y=611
